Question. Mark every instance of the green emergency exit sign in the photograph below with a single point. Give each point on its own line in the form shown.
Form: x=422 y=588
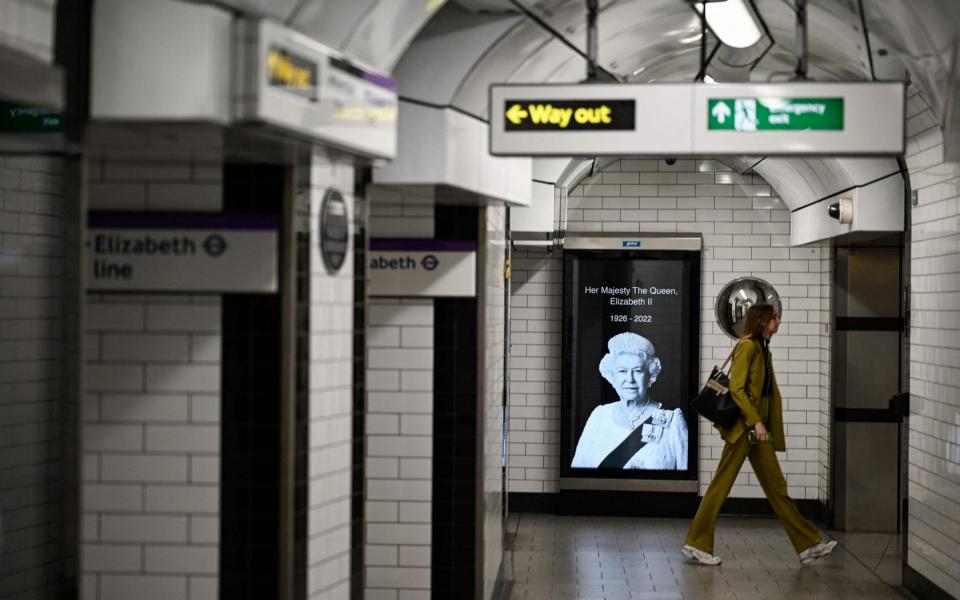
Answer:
x=15 y=118
x=775 y=114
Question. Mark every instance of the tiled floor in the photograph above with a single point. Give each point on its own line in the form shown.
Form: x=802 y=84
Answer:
x=559 y=557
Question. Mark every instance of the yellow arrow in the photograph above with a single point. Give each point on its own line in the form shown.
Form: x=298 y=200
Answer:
x=516 y=114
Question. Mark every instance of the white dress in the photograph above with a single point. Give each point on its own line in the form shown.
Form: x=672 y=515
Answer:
x=665 y=437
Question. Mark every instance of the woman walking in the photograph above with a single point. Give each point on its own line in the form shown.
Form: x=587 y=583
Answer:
x=756 y=435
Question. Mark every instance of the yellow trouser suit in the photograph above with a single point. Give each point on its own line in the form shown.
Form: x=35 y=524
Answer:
x=746 y=385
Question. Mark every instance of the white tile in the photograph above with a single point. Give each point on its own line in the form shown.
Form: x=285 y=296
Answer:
x=416 y=337
x=415 y=512
x=398 y=577
x=392 y=489
x=186 y=318
x=204 y=408
x=111 y=498
x=414 y=556
x=144 y=347
x=406 y=358
x=204 y=469
x=204 y=530
x=377 y=555
x=183 y=378
x=142 y=587
x=181 y=559
x=193 y=499
x=110 y=557
x=380 y=424
x=114 y=377
x=381 y=511
x=382 y=468
x=416 y=425
x=204 y=588
x=112 y=437
x=143 y=529
x=205 y=348
x=114 y=317
x=143 y=407
x=385 y=445
x=386 y=533
x=143 y=468
x=416 y=468
x=183 y=438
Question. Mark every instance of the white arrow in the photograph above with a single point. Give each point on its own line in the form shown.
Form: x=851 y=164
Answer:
x=720 y=112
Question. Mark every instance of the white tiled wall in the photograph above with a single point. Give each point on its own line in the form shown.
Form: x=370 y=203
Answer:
x=331 y=398
x=29 y=26
x=493 y=340
x=33 y=342
x=934 y=425
x=746 y=231
x=151 y=410
x=399 y=467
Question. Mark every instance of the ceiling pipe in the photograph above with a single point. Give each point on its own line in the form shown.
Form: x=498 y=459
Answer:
x=802 y=50
x=593 y=10
x=702 y=73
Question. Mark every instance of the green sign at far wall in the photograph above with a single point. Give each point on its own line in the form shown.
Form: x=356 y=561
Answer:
x=15 y=118
x=775 y=114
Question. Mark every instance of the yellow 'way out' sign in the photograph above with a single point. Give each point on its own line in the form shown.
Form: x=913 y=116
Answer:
x=565 y=115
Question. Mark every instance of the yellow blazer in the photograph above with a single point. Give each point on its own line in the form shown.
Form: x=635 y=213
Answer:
x=746 y=386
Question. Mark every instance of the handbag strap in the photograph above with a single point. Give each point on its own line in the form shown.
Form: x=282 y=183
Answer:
x=724 y=365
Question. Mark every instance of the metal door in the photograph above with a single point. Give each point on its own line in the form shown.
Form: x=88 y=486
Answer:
x=867 y=358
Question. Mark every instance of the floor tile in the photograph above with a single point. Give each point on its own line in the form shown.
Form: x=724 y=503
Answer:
x=611 y=558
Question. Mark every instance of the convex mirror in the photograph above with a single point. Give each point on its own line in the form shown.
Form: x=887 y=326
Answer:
x=739 y=295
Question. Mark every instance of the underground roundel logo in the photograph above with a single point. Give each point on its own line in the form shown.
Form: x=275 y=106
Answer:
x=215 y=245
x=429 y=262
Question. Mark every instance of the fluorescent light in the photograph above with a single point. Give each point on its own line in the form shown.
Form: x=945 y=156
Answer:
x=732 y=22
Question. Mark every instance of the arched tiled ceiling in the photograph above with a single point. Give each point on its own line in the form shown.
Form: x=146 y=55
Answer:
x=374 y=33
x=643 y=41
x=640 y=41
x=656 y=39
x=924 y=34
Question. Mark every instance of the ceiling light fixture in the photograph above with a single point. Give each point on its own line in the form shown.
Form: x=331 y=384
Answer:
x=732 y=22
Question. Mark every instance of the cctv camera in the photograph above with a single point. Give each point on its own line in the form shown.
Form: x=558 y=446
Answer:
x=842 y=210
x=670 y=161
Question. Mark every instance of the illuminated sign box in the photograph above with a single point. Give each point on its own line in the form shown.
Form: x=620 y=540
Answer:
x=15 y=118
x=181 y=253
x=697 y=119
x=292 y=82
x=292 y=73
x=570 y=115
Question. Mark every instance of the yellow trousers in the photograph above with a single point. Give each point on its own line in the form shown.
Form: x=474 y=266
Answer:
x=764 y=460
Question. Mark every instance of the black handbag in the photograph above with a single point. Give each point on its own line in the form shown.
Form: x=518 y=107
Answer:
x=714 y=401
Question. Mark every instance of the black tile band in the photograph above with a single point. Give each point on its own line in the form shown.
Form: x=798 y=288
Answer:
x=869 y=324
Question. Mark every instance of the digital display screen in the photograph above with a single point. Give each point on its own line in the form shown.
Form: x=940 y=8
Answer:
x=630 y=364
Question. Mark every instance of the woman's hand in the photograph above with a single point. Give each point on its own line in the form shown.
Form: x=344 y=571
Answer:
x=761 y=429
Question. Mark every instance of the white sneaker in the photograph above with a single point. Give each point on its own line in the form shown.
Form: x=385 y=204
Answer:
x=704 y=558
x=818 y=550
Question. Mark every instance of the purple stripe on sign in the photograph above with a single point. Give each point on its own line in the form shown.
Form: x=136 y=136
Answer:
x=381 y=80
x=162 y=220
x=380 y=245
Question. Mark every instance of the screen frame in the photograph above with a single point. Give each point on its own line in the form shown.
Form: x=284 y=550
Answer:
x=629 y=479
